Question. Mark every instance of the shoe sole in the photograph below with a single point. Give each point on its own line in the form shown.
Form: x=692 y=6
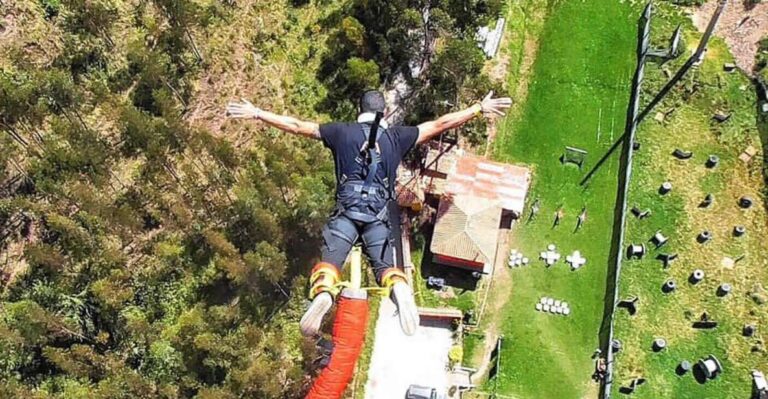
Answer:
x=406 y=308
x=313 y=317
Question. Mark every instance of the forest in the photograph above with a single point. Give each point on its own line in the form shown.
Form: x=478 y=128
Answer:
x=150 y=249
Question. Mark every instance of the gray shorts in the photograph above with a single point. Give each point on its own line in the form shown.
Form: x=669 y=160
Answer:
x=341 y=233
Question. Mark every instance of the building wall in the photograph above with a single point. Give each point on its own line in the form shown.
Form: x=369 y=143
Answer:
x=464 y=264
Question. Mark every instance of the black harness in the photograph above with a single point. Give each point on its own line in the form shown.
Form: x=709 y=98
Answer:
x=366 y=200
x=370 y=152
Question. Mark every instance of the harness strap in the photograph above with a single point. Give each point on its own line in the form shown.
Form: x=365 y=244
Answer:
x=358 y=188
x=366 y=133
x=362 y=157
x=372 y=134
x=381 y=216
x=373 y=168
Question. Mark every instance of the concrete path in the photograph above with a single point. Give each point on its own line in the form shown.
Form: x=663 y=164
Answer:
x=399 y=360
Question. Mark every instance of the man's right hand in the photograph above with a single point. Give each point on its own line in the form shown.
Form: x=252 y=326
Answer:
x=488 y=107
x=242 y=110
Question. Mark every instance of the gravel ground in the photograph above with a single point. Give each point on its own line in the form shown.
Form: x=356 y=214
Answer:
x=399 y=360
x=741 y=26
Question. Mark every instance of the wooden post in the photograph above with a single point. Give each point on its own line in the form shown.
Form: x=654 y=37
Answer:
x=355 y=268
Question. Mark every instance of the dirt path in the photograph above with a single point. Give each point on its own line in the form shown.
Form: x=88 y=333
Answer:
x=741 y=26
x=498 y=292
x=530 y=48
x=499 y=69
x=24 y=29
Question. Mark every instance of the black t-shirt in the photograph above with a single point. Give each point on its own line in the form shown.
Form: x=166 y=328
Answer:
x=346 y=139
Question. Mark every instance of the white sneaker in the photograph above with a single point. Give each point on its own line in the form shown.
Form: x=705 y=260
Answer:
x=406 y=307
x=313 y=317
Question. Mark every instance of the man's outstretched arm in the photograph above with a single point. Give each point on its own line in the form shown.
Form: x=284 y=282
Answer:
x=489 y=106
x=246 y=110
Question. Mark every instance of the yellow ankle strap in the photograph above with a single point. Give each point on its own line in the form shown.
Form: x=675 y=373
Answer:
x=391 y=276
x=324 y=278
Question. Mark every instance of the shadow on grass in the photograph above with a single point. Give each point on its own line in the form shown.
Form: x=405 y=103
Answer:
x=632 y=386
x=761 y=120
x=698 y=375
x=625 y=141
x=614 y=254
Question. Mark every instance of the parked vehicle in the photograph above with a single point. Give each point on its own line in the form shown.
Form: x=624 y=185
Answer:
x=422 y=392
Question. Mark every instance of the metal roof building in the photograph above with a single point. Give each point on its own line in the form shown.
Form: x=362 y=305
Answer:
x=477 y=193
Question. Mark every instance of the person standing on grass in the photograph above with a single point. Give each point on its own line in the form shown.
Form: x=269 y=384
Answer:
x=581 y=219
x=559 y=214
x=534 y=210
x=365 y=185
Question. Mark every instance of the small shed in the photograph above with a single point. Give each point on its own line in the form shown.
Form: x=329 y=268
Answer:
x=480 y=196
x=446 y=314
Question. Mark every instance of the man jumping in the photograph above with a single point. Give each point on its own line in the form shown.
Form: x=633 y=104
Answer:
x=365 y=180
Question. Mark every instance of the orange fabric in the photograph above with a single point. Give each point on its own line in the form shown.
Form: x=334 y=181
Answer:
x=326 y=266
x=348 y=339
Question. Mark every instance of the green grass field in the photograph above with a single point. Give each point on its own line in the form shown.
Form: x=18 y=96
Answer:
x=575 y=94
x=670 y=316
x=577 y=97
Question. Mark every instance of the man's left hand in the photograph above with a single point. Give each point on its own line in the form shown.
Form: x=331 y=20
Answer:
x=495 y=106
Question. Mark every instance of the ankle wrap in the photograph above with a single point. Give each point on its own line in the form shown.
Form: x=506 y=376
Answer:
x=391 y=276
x=325 y=277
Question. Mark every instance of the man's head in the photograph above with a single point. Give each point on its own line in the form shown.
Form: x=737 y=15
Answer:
x=372 y=101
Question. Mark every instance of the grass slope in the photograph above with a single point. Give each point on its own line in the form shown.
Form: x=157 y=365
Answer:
x=678 y=216
x=577 y=96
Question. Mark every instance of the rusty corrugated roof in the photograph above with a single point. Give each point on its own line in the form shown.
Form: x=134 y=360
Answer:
x=466 y=229
x=504 y=184
x=470 y=210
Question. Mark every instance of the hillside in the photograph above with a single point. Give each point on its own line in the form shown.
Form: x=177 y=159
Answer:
x=150 y=247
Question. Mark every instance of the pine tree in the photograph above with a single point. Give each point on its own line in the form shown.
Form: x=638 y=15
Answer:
x=94 y=17
x=182 y=14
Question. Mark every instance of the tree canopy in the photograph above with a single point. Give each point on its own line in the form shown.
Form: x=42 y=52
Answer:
x=151 y=250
